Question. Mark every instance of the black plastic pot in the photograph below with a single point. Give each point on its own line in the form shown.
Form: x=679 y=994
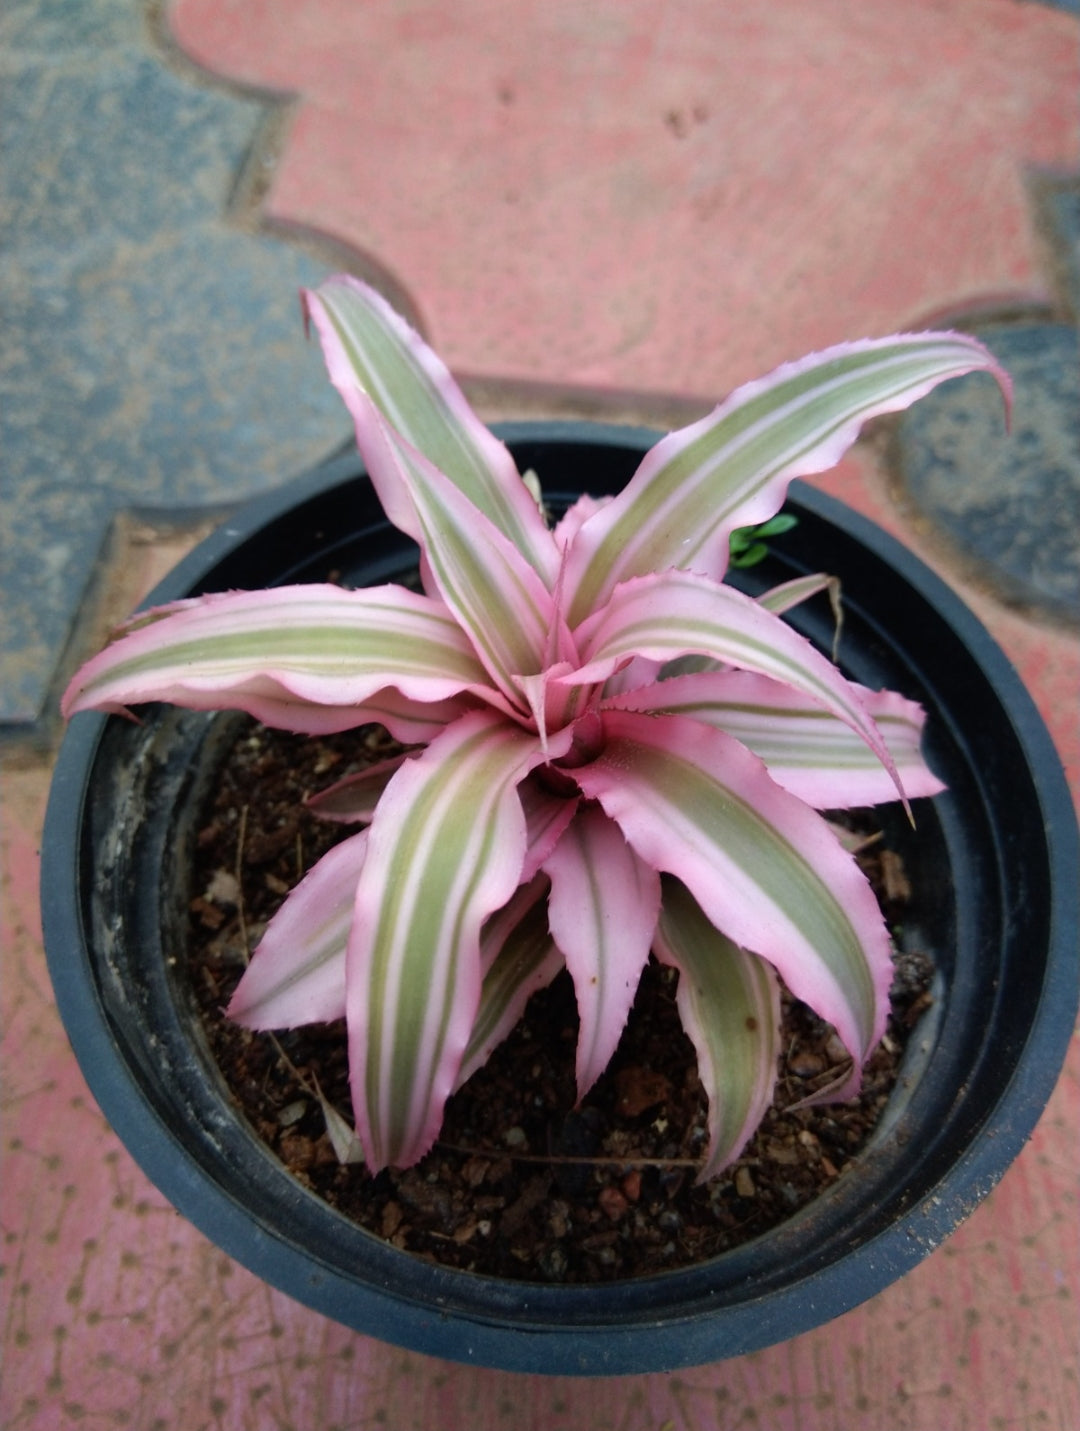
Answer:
x=994 y=861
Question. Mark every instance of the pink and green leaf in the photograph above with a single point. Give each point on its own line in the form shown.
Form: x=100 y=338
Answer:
x=790 y=594
x=370 y=349
x=410 y=722
x=297 y=974
x=602 y=909
x=677 y=613
x=546 y=817
x=353 y=799
x=519 y=957
x=285 y=653
x=765 y=868
x=729 y=1004
x=597 y=709
x=575 y=517
x=496 y=596
x=732 y=468
x=445 y=851
x=808 y=750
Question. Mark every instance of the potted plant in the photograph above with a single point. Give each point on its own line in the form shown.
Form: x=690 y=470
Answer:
x=583 y=697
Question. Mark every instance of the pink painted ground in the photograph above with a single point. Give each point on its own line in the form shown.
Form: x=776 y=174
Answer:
x=664 y=197
x=671 y=197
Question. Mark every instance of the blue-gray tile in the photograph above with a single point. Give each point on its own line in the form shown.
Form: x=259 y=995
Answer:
x=153 y=355
x=1009 y=504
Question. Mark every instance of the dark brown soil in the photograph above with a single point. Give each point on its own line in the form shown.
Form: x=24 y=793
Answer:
x=521 y=1183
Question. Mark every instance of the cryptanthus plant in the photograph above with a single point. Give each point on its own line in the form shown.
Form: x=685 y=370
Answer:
x=608 y=752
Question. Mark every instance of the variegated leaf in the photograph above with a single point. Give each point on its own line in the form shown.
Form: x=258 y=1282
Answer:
x=602 y=909
x=729 y=1004
x=677 y=613
x=546 y=817
x=519 y=957
x=496 y=596
x=732 y=468
x=764 y=867
x=445 y=851
x=297 y=974
x=283 y=654
x=369 y=348
x=807 y=749
x=790 y=594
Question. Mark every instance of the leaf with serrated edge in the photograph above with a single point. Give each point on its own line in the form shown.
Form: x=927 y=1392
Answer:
x=729 y=1004
x=602 y=908
x=807 y=750
x=518 y=956
x=732 y=468
x=289 y=650
x=353 y=799
x=297 y=974
x=369 y=348
x=598 y=711
x=546 y=817
x=496 y=596
x=764 y=867
x=677 y=613
x=445 y=851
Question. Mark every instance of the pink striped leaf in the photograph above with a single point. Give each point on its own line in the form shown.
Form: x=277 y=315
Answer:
x=639 y=672
x=518 y=956
x=284 y=653
x=808 y=750
x=790 y=594
x=410 y=722
x=297 y=974
x=729 y=1004
x=765 y=868
x=602 y=909
x=546 y=817
x=575 y=517
x=676 y=613
x=370 y=349
x=496 y=596
x=352 y=800
x=732 y=468
x=445 y=851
